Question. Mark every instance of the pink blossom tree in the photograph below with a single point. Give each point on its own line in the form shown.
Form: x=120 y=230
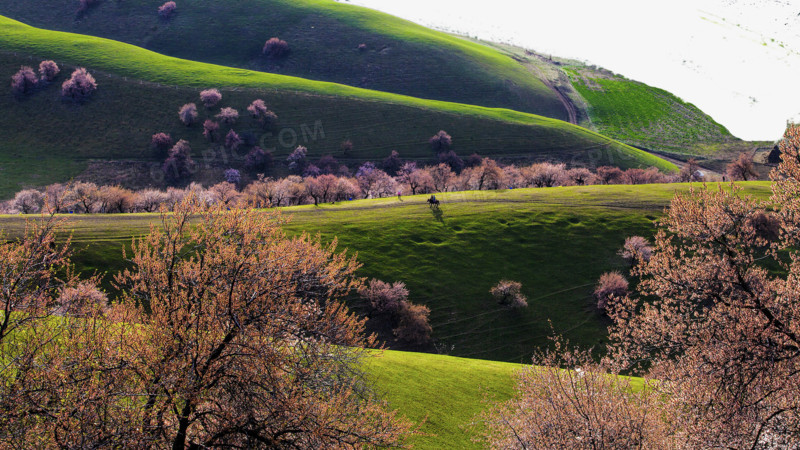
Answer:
x=258 y=110
x=161 y=142
x=509 y=293
x=188 y=114
x=228 y=115
x=167 y=10
x=80 y=86
x=441 y=142
x=232 y=140
x=210 y=97
x=636 y=249
x=610 y=286
x=48 y=70
x=276 y=48
x=258 y=160
x=23 y=82
x=211 y=130
x=298 y=160
x=28 y=201
x=413 y=324
x=742 y=168
x=177 y=166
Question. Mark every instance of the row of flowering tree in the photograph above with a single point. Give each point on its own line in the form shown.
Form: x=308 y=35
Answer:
x=368 y=182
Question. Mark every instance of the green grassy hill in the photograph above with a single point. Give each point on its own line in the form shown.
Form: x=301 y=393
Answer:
x=47 y=139
x=446 y=393
x=555 y=241
x=628 y=110
x=645 y=116
x=324 y=36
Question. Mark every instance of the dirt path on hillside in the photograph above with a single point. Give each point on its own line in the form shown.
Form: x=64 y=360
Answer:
x=570 y=107
x=572 y=111
x=680 y=163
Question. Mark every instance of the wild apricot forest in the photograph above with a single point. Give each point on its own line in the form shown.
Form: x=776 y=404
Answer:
x=307 y=224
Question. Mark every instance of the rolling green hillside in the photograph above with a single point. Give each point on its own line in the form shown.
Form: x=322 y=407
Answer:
x=555 y=241
x=47 y=139
x=645 y=116
x=446 y=393
x=324 y=36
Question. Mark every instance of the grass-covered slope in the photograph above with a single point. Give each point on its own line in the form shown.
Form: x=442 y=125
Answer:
x=139 y=93
x=556 y=242
x=446 y=393
x=645 y=116
x=324 y=36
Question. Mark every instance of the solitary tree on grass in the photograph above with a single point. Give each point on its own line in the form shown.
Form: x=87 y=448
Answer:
x=167 y=10
x=509 y=293
x=276 y=48
x=441 y=142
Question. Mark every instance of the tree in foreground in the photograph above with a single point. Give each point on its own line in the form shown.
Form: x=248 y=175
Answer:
x=567 y=400
x=23 y=82
x=712 y=326
x=228 y=334
x=80 y=86
x=722 y=332
x=262 y=352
